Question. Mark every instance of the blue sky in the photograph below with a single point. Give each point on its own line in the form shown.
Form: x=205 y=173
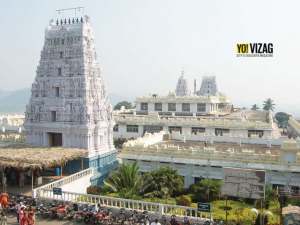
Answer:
x=144 y=44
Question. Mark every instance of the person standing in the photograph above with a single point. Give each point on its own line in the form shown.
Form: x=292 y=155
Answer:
x=155 y=222
x=30 y=216
x=3 y=218
x=4 y=200
x=22 y=216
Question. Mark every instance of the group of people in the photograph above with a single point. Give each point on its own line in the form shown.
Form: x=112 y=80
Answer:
x=25 y=215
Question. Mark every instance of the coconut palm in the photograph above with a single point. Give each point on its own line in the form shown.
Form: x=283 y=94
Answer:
x=269 y=104
x=255 y=107
x=126 y=181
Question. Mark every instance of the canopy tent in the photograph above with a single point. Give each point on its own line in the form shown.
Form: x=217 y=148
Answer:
x=22 y=156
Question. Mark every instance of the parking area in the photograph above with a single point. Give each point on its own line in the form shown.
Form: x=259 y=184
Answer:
x=13 y=221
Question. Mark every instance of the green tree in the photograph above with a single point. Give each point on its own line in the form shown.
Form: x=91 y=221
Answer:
x=255 y=107
x=206 y=189
x=126 y=104
x=162 y=183
x=261 y=219
x=270 y=195
x=282 y=119
x=184 y=200
x=126 y=181
x=119 y=142
x=269 y=105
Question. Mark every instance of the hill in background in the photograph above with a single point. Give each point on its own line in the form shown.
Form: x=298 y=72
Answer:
x=15 y=101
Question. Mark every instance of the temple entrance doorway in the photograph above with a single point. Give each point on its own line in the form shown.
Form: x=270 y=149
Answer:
x=55 y=139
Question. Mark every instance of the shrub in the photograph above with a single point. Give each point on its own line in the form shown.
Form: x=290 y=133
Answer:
x=119 y=142
x=184 y=200
x=93 y=190
x=206 y=190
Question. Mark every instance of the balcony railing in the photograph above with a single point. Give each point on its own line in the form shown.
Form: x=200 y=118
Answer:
x=66 y=180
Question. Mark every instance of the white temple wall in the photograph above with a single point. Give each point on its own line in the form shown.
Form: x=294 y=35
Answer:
x=186 y=131
x=239 y=133
x=165 y=107
x=192 y=171
x=178 y=107
x=193 y=107
x=268 y=134
x=151 y=107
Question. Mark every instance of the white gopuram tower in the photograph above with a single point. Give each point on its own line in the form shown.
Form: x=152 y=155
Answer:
x=182 y=87
x=208 y=86
x=68 y=106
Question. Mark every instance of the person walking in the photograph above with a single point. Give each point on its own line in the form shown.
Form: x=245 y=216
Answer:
x=22 y=216
x=3 y=218
x=30 y=216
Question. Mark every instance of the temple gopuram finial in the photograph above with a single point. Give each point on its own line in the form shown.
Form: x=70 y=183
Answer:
x=182 y=72
x=65 y=17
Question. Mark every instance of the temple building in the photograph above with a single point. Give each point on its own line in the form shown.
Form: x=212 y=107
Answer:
x=205 y=115
x=196 y=160
x=68 y=106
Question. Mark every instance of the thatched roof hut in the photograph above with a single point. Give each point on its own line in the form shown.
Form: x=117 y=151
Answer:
x=22 y=156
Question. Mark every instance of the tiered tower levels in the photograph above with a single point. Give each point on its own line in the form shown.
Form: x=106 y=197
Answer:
x=69 y=104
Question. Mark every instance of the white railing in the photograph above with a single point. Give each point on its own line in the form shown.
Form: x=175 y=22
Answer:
x=111 y=202
x=63 y=181
x=45 y=192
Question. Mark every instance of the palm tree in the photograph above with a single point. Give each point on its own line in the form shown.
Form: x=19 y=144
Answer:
x=126 y=181
x=269 y=105
x=255 y=107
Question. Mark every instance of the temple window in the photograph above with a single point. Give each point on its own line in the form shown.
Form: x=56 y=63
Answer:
x=196 y=130
x=172 y=107
x=175 y=129
x=116 y=128
x=185 y=107
x=61 y=55
x=132 y=128
x=201 y=107
x=221 y=131
x=158 y=106
x=59 y=71
x=56 y=91
x=53 y=116
x=255 y=133
x=144 y=106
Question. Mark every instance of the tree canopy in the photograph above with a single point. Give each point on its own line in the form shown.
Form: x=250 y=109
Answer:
x=126 y=104
x=206 y=189
x=126 y=181
x=282 y=118
x=162 y=183
x=255 y=107
x=268 y=104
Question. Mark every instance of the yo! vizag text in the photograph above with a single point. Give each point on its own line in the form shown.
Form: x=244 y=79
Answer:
x=256 y=49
